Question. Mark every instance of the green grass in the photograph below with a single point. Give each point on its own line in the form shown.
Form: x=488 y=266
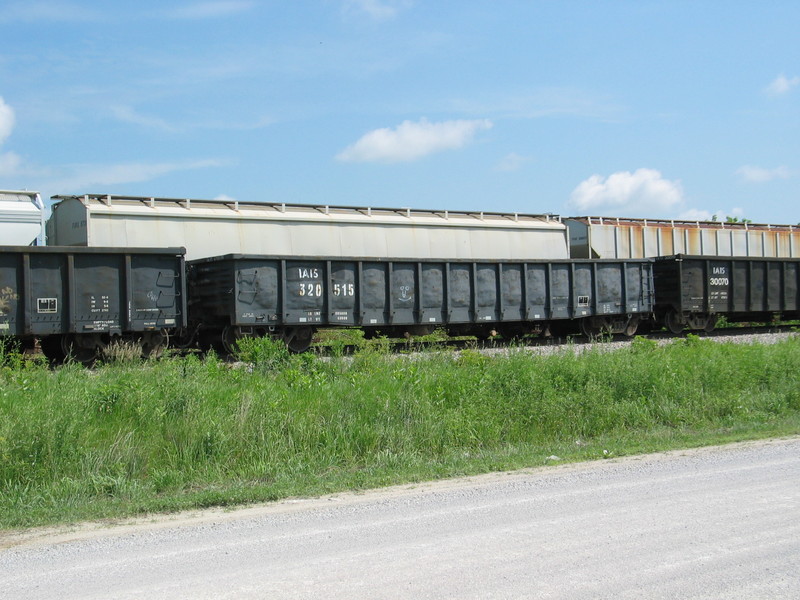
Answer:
x=135 y=437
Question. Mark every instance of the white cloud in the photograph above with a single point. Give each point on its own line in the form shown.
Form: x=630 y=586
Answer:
x=644 y=191
x=754 y=174
x=380 y=10
x=10 y=164
x=511 y=162
x=782 y=85
x=410 y=141
x=128 y=115
x=76 y=178
x=6 y=120
x=210 y=10
x=85 y=176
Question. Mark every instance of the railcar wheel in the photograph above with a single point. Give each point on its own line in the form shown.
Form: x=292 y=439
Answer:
x=711 y=323
x=418 y=330
x=82 y=348
x=298 y=339
x=594 y=327
x=230 y=337
x=183 y=337
x=631 y=326
x=673 y=322
x=210 y=339
x=153 y=343
x=52 y=349
x=588 y=329
x=484 y=334
x=512 y=331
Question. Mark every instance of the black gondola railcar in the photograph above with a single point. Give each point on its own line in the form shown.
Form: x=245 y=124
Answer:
x=78 y=300
x=694 y=291
x=234 y=296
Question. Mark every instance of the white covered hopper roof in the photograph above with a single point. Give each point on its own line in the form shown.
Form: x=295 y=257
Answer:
x=217 y=227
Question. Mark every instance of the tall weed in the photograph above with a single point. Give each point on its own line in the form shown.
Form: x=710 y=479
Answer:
x=181 y=432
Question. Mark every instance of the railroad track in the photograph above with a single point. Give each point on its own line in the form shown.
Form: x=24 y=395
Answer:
x=399 y=346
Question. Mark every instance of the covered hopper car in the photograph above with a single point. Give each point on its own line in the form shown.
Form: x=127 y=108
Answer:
x=21 y=217
x=209 y=228
x=619 y=238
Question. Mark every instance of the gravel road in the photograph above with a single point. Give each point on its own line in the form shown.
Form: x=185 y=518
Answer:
x=712 y=523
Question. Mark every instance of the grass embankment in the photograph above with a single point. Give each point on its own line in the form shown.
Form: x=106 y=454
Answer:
x=181 y=433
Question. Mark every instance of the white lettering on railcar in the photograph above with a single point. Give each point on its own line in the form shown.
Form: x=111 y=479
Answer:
x=310 y=290
x=344 y=289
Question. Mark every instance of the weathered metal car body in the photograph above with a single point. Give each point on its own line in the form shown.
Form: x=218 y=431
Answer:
x=618 y=238
x=218 y=227
x=76 y=301
x=235 y=296
x=695 y=291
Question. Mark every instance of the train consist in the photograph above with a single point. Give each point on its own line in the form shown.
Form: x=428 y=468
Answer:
x=252 y=269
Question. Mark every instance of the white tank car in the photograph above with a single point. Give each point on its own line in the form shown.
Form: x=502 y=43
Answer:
x=21 y=217
x=217 y=227
x=618 y=238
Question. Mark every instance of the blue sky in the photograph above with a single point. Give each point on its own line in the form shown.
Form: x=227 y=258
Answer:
x=646 y=109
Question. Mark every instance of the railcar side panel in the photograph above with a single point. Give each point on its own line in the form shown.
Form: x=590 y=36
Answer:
x=244 y=291
x=47 y=291
x=621 y=238
x=738 y=288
